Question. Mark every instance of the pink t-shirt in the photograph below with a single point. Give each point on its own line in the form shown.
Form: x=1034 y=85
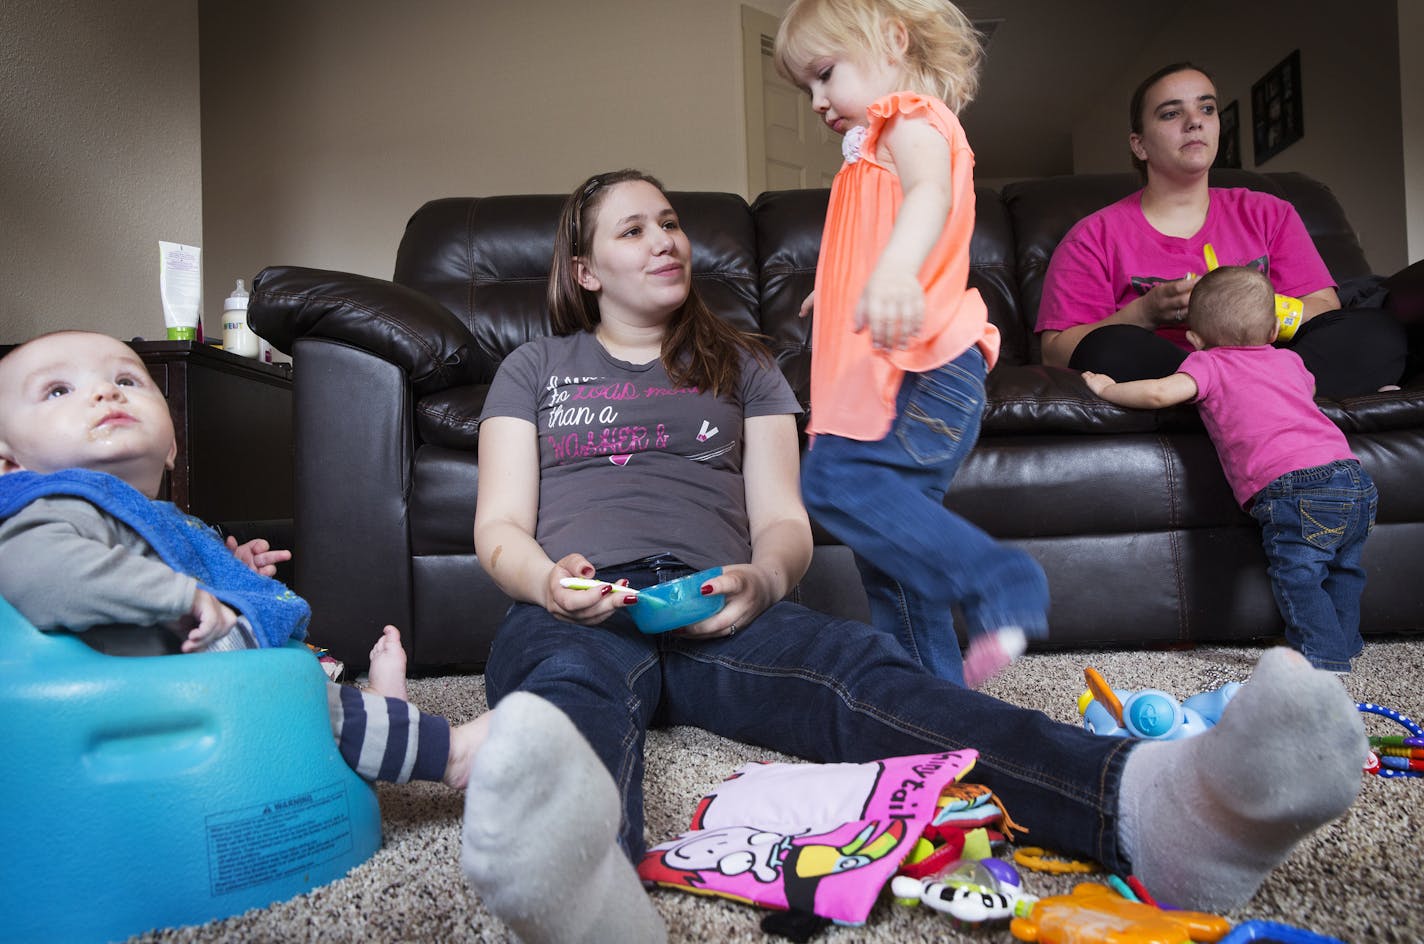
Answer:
x=1258 y=406
x=1114 y=256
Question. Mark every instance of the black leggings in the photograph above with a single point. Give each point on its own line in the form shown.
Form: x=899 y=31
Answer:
x=1349 y=351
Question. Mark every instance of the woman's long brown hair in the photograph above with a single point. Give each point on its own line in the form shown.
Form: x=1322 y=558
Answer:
x=699 y=349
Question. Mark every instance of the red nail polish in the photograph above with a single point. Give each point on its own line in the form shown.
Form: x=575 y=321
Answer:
x=706 y=589
x=630 y=599
x=605 y=591
x=587 y=571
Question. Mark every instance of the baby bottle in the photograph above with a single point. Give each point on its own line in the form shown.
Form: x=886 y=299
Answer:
x=237 y=336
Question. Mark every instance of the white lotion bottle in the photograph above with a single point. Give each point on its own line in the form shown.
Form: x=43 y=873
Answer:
x=237 y=335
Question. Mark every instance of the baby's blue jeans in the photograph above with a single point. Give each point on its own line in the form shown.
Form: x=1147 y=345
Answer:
x=1313 y=526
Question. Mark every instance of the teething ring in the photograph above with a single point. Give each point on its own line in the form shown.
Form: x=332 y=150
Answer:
x=1404 y=722
x=1041 y=860
x=1392 y=715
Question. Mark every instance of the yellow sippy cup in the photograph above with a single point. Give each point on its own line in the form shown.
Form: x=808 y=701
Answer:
x=1289 y=314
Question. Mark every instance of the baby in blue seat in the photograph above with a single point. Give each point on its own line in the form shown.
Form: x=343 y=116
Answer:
x=85 y=437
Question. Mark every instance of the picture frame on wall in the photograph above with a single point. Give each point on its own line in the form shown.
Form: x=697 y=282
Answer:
x=1228 y=148
x=1277 y=109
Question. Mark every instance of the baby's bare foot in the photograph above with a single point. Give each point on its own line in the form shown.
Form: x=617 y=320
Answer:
x=465 y=740
x=387 y=673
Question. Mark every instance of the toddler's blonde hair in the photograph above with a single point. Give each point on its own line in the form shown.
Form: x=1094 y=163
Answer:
x=943 y=57
x=1233 y=306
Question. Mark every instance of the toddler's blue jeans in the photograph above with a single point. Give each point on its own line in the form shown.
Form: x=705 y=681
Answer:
x=917 y=559
x=1313 y=526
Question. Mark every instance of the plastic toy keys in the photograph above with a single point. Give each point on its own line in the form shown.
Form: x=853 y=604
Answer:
x=1093 y=913
x=1148 y=712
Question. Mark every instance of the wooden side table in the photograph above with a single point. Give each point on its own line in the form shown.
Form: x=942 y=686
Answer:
x=233 y=420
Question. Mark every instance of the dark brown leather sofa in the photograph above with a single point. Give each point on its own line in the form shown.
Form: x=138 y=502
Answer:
x=1127 y=511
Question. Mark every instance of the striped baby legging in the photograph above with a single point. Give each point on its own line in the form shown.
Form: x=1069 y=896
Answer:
x=386 y=738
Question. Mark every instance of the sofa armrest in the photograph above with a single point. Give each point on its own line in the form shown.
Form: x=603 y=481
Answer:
x=395 y=323
x=355 y=443
x=1406 y=294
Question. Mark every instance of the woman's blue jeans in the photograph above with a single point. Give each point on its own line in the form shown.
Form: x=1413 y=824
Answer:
x=1313 y=525
x=917 y=559
x=813 y=686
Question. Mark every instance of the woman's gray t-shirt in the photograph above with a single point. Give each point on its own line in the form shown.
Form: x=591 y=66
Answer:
x=630 y=466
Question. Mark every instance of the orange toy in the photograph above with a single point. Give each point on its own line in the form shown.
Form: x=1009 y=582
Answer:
x=1095 y=914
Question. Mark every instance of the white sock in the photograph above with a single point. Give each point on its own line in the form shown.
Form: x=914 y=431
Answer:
x=539 y=842
x=1206 y=818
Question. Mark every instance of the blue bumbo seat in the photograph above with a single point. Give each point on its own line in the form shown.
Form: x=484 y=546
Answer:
x=158 y=791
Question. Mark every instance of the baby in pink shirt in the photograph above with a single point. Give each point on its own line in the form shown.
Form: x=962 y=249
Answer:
x=1288 y=465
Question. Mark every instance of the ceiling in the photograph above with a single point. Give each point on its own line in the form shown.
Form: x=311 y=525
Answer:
x=1045 y=61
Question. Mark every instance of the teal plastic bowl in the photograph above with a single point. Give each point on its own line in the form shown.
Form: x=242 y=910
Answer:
x=676 y=604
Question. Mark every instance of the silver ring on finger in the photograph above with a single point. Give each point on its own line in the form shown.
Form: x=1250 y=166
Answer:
x=732 y=631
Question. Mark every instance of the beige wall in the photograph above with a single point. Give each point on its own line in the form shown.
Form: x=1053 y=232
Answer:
x=1411 y=91
x=326 y=123
x=1350 y=81
x=323 y=124
x=99 y=160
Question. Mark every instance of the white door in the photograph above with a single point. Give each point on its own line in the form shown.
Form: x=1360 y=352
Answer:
x=788 y=146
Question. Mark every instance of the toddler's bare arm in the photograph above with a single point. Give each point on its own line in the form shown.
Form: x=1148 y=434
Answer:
x=1143 y=394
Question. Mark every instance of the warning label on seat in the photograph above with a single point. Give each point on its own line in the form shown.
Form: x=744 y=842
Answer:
x=267 y=841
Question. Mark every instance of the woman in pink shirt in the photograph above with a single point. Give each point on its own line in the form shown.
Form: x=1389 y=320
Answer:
x=1116 y=292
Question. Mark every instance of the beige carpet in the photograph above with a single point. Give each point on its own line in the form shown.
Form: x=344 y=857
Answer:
x=1358 y=879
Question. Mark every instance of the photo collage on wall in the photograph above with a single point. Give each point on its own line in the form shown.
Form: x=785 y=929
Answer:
x=1277 y=112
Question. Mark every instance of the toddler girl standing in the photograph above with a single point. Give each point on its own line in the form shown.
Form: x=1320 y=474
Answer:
x=900 y=344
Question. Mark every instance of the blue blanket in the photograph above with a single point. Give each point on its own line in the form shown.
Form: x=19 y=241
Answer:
x=182 y=541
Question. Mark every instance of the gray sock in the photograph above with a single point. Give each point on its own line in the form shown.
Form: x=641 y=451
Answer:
x=539 y=842
x=1205 y=819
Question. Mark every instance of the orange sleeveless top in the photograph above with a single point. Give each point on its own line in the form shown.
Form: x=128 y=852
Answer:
x=853 y=386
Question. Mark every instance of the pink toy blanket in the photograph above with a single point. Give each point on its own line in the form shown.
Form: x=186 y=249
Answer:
x=822 y=838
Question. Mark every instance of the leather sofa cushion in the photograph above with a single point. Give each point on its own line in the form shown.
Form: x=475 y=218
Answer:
x=1021 y=400
x=1037 y=399
x=788 y=233
x=451 y=418
x=1038 y=486
x=1378 y=412
x=486 y=259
